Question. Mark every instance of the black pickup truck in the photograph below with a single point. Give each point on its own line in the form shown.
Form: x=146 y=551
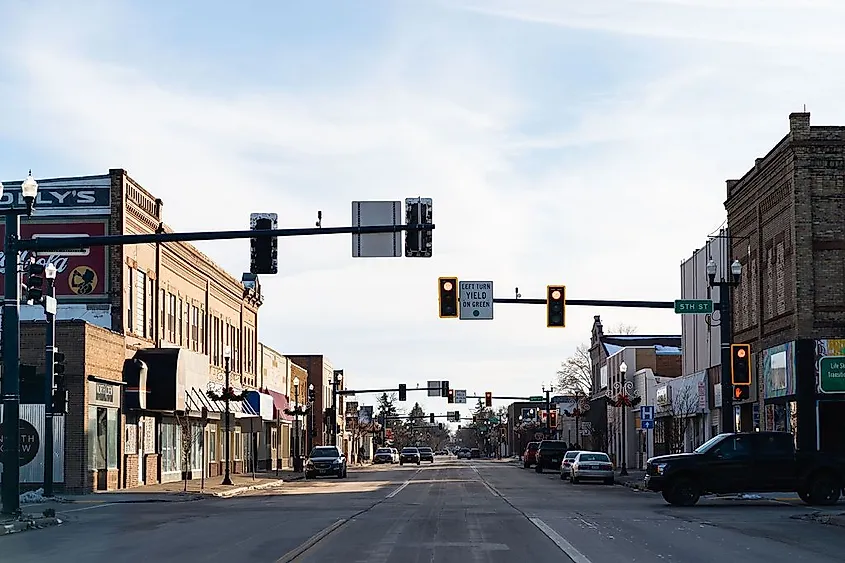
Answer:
x=747 y=462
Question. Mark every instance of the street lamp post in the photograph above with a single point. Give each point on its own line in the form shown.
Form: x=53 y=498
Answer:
x=336 y=379
x=11 y=384
x=622 y=391
x=227 y=357
x=725 y=328
x=309 y=431
x=297 y=460
x=49 y=372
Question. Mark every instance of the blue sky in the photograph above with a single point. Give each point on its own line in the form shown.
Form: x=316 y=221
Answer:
x=563 y=142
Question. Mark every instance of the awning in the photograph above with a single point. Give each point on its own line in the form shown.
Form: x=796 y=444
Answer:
x=196 y=399
x=280 y=403
x=262 y=403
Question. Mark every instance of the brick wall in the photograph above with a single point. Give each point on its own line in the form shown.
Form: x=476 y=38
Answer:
x=151 y=469
x=314 y=366
x=89 y=350
x=785 y=218
x=130 y=471
x=668 y=366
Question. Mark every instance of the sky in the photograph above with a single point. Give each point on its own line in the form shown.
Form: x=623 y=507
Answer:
x=577 y=143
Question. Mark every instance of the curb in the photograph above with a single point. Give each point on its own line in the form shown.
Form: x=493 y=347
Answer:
x=28 y=524
x=828 y=519
x=636 y=485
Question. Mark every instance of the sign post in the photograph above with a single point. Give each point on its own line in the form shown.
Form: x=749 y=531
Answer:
x=476 y=298
x=647 y=417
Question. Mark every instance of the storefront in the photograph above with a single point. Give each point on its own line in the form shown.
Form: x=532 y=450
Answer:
x=104 y=432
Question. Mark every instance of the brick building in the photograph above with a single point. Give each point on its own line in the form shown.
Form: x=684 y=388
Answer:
x=320 y=374
x=172 y=307
x=785 y=217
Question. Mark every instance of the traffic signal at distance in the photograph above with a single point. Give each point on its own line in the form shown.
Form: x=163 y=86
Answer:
x=742 y=392
x=741 y=364
x=264 y=251
x=457 y=416
x=444 y=388
x=448 y=297
x=556 y=306
x=403 y=392
x=451 y=397
x=431 y=418
x=488 y=399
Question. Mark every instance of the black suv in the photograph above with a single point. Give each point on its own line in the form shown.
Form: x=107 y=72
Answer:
x=550 y=455
x=426 y=454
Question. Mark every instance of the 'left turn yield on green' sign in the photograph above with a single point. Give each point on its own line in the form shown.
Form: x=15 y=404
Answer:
x=476 y=299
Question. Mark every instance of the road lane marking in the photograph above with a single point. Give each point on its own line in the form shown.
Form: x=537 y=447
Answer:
x=484 y=482
x=566 y=547
x=403 y=485
x=92 y=507
x=310 y=542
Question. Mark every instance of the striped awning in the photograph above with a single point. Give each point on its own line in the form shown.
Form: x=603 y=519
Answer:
x=196 y=399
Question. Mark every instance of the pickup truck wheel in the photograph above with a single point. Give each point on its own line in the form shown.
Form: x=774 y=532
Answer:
x=682 y=492
x=825 y=490
x=804 y=496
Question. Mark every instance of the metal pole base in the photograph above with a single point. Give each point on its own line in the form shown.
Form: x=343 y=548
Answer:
x=624 y=471
x=227 y=481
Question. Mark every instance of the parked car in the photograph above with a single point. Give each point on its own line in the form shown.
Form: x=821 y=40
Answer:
x=409 y=455
x=463 y=453
x=591 y=465
x=747 y=462
x=566 y=464
x=383 y=455
x=475 y=453
x=426 y=454
x=325 y=460
x=529 y=457
x=550 y=455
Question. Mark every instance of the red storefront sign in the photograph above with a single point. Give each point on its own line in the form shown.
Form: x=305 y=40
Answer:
x=80 y=273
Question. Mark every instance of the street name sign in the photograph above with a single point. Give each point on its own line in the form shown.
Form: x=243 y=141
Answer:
x=476 y=299
x=536 y=399
x=694 y=306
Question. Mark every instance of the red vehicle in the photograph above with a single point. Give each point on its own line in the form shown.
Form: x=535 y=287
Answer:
x=529 y=458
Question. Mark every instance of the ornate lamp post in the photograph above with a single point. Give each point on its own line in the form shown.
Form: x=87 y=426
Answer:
x=227 y=395
x=623 y=397
x=582 y=405
x=296 y=412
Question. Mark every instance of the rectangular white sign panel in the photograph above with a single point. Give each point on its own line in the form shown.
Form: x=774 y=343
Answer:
x=461 y=396
x=374 y=214
x=476 y=299
x=433 y=392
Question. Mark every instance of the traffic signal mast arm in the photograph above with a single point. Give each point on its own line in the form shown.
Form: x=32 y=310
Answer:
x=389 y=390
x=595 y=303
x=48 y=244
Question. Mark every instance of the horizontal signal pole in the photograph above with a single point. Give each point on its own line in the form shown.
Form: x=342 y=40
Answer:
x=592 y=303
x=362 y=391
x=499 y=397
x=48 y=244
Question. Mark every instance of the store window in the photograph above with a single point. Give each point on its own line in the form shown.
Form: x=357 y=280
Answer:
x=169 y=446
x=103 y=437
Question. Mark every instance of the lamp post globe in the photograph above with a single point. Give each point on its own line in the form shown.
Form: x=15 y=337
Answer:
x=29 y=189
x=711 y=267
x=623 y=368
x=736 y=269
x=50 y=270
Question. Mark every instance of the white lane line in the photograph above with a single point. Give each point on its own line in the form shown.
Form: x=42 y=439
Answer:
x=489 y=487
x=403 y=485
x=92 y=507
x=310 y=542
x=566 y=547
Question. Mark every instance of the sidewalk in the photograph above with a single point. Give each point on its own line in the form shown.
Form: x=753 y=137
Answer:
x=633 y=480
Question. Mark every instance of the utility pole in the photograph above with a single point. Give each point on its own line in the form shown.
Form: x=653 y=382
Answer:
x=49 y=374
x=548 y=393
x=337 y=377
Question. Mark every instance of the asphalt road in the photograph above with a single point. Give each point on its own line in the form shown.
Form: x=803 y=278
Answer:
x=450 y=511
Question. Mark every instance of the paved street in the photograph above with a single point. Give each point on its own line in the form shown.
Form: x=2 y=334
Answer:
x=450 y=511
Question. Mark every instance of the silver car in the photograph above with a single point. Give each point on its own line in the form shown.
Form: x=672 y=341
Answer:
x=566 y=464
x=592 y=465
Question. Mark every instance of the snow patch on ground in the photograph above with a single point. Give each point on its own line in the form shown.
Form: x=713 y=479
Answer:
x=32 y=497
x=750 y=497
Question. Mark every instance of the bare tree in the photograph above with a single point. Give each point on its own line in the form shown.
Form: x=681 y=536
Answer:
x=678 y=415
x=191 y=434
x=623 y=328
x=576 y=372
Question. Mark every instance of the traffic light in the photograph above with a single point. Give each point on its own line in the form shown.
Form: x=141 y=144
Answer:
x=440 y=425
x=457 y=416
x=60 y=393
x=448 y=297
x=403 y=392
x=418 y=243
x=488 y=399
x=431 y=418
x=741 y=364
x=556 y=306
x=553 y=419
x=58 y=364
x=451 y=396
x=742 y=392
x=264 y=251
x=34 y=282
x=312 y=394
x=444 y=388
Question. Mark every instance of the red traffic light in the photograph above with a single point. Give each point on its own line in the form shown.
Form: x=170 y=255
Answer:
x=488 y=399
x=447 y=286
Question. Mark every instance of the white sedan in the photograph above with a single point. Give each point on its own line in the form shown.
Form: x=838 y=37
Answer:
x=592 y=465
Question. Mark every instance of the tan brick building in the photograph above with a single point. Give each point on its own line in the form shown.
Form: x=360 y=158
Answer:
x=785 y=217
x=168 y=305
x=320 y=374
